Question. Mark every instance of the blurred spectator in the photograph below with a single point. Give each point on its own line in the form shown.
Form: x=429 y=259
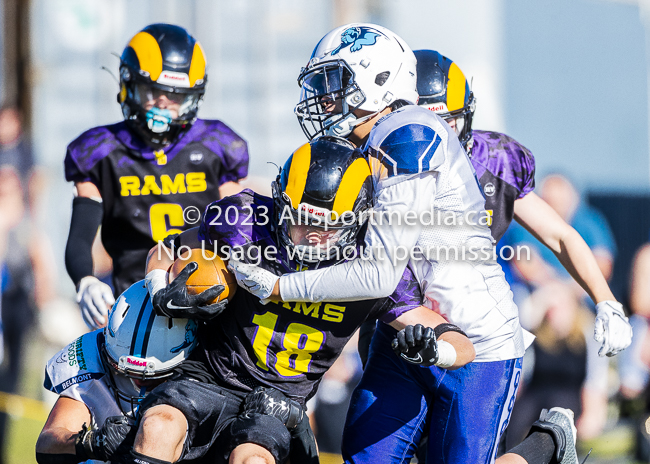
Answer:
x=634 y=366
x=557 y=370
x=25 y=255
x=543 y=266
x=634 y=363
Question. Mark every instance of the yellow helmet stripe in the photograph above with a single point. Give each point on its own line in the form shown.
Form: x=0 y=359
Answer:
x=353 y=178
x=148 y=52
x=197 y=67
x=298 y=174
x=455 y=88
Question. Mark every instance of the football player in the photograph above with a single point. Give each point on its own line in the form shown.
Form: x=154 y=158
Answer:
x=152 y=174
x=267 y=360
x=361 y=83
x=102 y=377
x=506 y=171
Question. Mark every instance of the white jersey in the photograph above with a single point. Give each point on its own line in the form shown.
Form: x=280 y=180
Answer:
x=429 y=214
x=77 y=372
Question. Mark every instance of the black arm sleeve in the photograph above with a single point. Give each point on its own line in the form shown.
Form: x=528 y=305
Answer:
x=86 y=219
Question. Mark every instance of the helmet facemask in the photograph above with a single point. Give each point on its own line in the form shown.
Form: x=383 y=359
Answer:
x=159 y=113
x=128 y=387
x=328 y=99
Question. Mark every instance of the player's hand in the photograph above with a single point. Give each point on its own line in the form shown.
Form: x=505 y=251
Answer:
x=95 y=298
x=254 y=279
x=174 y=300
x=417 y=345
x=114 y=437
x=272 y=402
x=612 y=328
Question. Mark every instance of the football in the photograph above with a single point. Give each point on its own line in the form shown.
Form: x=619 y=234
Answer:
x=212 y=271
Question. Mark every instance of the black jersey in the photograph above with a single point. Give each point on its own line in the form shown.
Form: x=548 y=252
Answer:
x=148 y=194
x=506 y=172
x=285 y=345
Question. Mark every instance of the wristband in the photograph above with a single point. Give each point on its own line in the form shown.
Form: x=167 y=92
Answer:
x=446 y=354
x=83 y=446
x=156 y=280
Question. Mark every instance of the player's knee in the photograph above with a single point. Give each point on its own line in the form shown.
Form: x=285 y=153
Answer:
x=250 y=453
x=161 y=421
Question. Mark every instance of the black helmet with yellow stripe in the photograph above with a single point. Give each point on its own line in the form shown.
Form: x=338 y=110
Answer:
x=322 y=198
x=162 y=82
x=443 y=88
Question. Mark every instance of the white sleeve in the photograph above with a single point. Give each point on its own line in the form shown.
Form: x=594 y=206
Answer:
x=392 y=234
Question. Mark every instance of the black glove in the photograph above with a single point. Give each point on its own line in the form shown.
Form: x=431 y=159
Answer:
x=272 y=402
x=174 y=301
x=113 y=438
x=417 y=345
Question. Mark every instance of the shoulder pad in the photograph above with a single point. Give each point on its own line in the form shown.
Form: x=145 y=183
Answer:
x=89 y=148
x=505 y=158
x=217 y=137
x=76 y=363
x=406 y=141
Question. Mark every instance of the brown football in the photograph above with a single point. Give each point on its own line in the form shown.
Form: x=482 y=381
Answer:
x=212 y=271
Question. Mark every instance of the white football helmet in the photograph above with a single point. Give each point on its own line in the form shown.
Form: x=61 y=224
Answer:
x=356 y=66
x=140 y=348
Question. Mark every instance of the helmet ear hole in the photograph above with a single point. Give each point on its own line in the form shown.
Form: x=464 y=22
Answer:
x=382 y=77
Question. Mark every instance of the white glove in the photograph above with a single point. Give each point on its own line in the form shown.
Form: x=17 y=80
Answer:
x=612 y=329
x=95 y=299
x=256 y=280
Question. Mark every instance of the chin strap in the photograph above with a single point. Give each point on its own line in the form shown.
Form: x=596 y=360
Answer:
x=345 y=126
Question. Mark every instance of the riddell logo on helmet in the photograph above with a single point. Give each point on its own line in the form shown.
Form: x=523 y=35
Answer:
x=136 y=362
x=174 y=78
x=169 y=76
x=312 y=210
x=437 y=107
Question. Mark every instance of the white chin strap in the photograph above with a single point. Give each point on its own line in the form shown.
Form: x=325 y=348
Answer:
x=344 y=126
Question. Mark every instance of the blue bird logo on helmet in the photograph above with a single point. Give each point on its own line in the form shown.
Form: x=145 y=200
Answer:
x=356 y=38
x=190 y=337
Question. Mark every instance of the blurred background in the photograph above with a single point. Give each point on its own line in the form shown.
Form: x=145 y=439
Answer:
x=568 y=79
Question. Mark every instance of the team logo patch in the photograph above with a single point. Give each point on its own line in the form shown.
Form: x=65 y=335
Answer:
x=161 y=157
x=196 y=158
x=489 y=189
x=356 y=38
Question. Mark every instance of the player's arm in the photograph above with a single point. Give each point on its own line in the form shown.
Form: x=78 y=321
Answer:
x=575 y=255
x=94 y=297
x=67 y=438
x=173 y=299
x=61 y=430
x=450 y=344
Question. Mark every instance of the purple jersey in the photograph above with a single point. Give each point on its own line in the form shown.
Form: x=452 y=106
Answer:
x=147 y=191
x=288 y=346
x=506 y=172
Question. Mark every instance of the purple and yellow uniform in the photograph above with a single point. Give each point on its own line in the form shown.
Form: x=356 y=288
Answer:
x=287 y=346
x=506 y=171
x=146 y=192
